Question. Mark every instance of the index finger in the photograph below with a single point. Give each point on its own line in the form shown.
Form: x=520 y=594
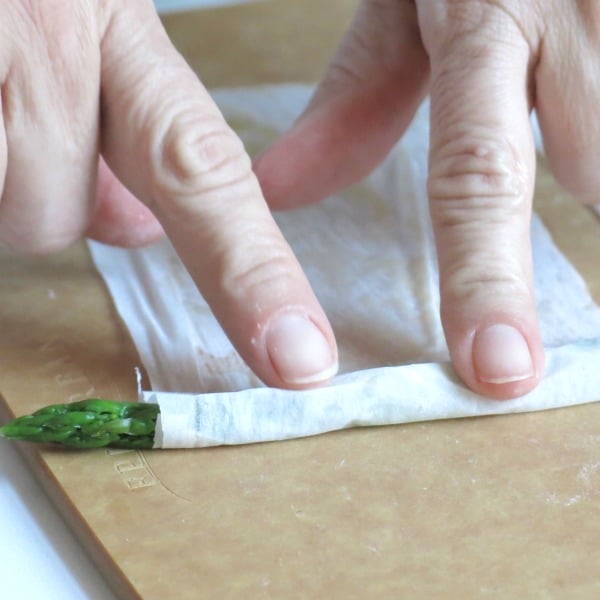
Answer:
x=167 y=141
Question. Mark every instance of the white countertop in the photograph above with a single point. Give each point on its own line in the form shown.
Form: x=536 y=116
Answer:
x=39 y=557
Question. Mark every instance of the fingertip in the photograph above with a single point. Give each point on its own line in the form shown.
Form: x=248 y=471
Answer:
x=501 y=360
x=501 y=355
x=300 y=352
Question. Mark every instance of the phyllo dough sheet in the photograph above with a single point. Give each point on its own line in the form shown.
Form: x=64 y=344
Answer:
x=370 y=257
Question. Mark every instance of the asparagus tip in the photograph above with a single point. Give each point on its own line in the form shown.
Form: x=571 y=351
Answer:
x=5 y=432
x=91 y=423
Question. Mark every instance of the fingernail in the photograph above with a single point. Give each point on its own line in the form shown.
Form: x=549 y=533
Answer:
x=501 y=355
x=299 y=351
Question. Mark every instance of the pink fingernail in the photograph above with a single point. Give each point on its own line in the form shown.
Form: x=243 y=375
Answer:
x=501 y=355
x=299 y=351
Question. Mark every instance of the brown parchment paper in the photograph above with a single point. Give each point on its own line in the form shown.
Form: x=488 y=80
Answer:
x=500 y=506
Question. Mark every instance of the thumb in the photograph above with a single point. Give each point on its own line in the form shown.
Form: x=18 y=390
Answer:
x=359 y=111
x=120 y=219
x=482 y=163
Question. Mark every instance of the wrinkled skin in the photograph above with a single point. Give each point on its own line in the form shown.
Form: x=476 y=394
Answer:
x=106 y=132
x=486 y=65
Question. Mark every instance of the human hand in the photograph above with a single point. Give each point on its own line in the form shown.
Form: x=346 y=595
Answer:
x=486 y=64
x=82 y=79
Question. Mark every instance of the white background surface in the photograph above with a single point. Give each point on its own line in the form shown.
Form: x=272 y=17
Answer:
x=39 y=558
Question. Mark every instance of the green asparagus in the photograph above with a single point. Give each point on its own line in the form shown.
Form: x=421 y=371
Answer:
x=91 y=423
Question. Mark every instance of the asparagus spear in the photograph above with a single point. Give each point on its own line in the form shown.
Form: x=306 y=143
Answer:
x=91 y=423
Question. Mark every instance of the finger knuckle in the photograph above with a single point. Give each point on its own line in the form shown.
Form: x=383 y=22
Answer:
x=484 y=261
x=481 y=175
x=490 y=279
x=196 y=156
